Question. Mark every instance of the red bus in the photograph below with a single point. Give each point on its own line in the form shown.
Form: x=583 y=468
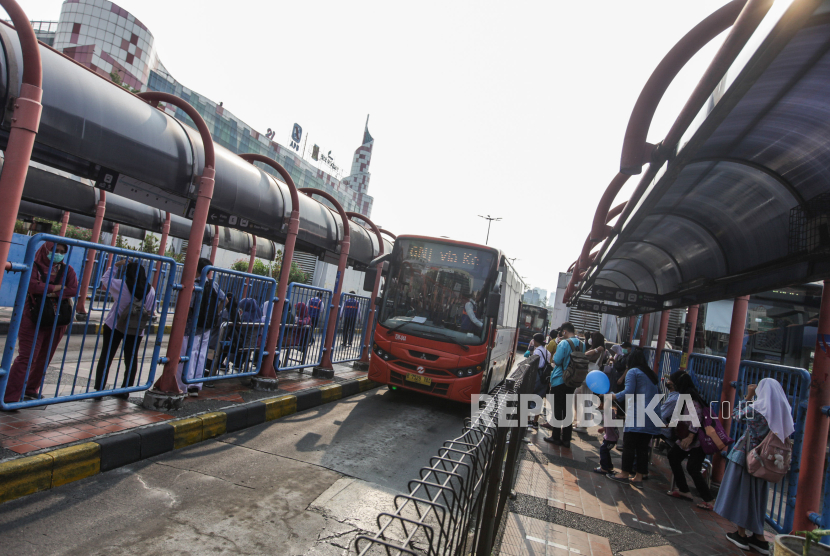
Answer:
x=448 y=318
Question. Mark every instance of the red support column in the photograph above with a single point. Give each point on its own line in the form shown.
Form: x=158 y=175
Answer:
x=267 y=377
x=645 y=335
x=661 y=340
x=341 y=272
x=25 y=121
x=165 y=231
x=808 y=498
x=632 y=322
x=110 y=256
x=691 y=317
x=214 y=244
x=64 y=223
x=90 y=256
x=364 y=356
x=730 y=374
x=165 y=392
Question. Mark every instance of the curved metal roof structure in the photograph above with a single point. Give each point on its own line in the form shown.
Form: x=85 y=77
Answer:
x=92 y=128
x=744 y=204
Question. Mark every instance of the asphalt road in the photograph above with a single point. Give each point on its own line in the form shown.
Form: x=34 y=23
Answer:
x=305 y=484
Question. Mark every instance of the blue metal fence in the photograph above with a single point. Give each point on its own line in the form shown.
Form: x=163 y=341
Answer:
x=226 y=331
x=351 y=322
x=86 y=356
x=707 y=374
x=303 y=328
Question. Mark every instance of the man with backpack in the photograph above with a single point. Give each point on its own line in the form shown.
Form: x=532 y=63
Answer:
x=569 y=371
x=210 y=309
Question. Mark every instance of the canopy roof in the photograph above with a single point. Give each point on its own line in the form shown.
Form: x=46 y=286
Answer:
x=744 y=206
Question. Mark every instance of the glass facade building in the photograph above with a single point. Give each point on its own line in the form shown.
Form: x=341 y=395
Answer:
x=115 y=44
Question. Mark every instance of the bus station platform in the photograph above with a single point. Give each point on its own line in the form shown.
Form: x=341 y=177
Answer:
x=563 y=507
x=33 y=430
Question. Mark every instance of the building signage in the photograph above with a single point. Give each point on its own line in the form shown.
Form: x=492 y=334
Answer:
x=296 y=137
x=596 y=307
x=629 y=297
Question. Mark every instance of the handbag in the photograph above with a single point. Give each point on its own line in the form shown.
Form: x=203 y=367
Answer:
x=51 y=310
x=712 y=437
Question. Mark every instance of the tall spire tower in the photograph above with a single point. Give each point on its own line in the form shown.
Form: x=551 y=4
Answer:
x=357 y=182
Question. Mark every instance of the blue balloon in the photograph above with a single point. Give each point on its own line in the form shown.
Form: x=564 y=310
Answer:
x=598 y=382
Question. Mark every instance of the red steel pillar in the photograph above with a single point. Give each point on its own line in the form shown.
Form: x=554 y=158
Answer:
x=632 y=322
x=115 y=228
x=267 y=377
x=64 y=223
x=214 y=244
x=661 y=339
x=90 y=256
x=730 y=375
x=165 y=231
x=364 y=354
x=166 y=386
x=808 y=498
x=691 y=317
x=25 y=121
x=645 y=335
x=326 y=365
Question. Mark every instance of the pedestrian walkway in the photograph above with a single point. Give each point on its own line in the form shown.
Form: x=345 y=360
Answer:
x=27 y=431
x=563 y=507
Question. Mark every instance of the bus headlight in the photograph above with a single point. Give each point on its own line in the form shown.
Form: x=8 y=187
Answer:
x=469 y=372
x=460 y=372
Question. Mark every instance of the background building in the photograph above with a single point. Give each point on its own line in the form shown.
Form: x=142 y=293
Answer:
x=115 y=44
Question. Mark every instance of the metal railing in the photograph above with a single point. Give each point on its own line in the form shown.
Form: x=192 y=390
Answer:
x=456 y=504
x=231 y=311
x=707 y=373
x=88 y=349
x=303 y=328
x=351 y=322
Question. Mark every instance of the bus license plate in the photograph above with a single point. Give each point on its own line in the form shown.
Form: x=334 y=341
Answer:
x=425 y=380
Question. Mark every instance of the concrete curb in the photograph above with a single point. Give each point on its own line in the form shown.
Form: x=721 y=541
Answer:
x=27 y=475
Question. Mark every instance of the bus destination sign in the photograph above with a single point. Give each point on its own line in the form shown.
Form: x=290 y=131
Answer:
x=596 y=307
x=446 y=254
x=629 y=297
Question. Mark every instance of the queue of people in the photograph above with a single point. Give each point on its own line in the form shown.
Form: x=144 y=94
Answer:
x=691 y=433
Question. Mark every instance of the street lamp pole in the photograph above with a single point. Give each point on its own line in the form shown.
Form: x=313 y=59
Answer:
x=490 y=220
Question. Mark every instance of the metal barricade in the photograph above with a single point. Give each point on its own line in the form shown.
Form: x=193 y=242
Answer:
x=822 y=520
x=231 y=311
x=456 y=504
x=57 y=363
x=176 y=278
x=669 y=363
x=354 y=314
x=303 y=328
x=707 y=373
x=796 y=385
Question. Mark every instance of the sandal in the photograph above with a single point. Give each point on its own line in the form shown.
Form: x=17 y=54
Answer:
x=602 y=471
x=706 y=506
x=678 y=495
x=615 y=478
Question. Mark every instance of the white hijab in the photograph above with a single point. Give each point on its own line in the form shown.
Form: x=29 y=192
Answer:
x=771 y=402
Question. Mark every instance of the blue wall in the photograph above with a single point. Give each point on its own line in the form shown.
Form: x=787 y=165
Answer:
x=8 y=291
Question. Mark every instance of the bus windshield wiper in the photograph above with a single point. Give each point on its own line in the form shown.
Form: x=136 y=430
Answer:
x=401 y=325
x=454 y=341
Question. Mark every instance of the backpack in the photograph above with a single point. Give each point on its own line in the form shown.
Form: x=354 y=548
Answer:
x=208 y=318
x=576 y=371
x=712 y=436
x=134 y=319
x=770 y=460
x=545 y=372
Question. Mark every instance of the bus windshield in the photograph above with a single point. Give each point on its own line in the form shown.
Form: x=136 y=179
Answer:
x=533 y=318
x=438 y=290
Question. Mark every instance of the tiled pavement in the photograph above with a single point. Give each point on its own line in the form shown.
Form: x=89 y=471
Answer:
x=28 y=430
x=560 y=498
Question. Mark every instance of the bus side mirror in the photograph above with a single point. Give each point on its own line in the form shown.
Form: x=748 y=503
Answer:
x=493 y=303
x=369 y=279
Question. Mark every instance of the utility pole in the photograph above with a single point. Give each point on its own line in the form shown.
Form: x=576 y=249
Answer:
x=490 y=220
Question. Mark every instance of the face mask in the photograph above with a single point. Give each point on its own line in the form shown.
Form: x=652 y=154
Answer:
x=56 y=257
x=625 y=352
x=590 y=341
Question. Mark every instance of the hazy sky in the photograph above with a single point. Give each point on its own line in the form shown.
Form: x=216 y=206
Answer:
x=513 y=109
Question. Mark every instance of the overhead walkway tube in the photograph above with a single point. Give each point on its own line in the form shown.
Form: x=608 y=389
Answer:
x=165 y=392
x=25 y=122
x=326 y=369
x=267 y=377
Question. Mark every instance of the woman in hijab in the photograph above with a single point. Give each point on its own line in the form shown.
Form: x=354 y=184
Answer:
x=124 y=322
x=55 y=279
x=742 y=498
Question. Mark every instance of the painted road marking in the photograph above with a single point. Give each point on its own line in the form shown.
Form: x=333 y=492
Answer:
x=553 y=544
x=561 y=502
x=656 y=525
